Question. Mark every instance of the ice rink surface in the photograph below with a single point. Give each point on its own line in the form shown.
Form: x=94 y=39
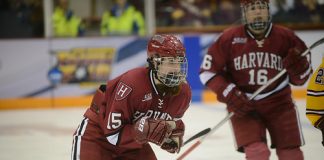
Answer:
x=47 y=134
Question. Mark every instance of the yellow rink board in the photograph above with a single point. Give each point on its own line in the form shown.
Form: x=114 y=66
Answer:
x=84 y=101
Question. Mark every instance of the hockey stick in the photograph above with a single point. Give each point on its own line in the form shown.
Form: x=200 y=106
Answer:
x=257 y=92
x=199 y=134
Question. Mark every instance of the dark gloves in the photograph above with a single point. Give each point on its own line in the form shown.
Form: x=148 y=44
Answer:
x=153 y=130
x=238 y=103
x=295 y=64
x=175 y=141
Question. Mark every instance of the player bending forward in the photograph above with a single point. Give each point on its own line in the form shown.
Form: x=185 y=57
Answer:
x=315 y=99
x=243 y=59
x=140 y=106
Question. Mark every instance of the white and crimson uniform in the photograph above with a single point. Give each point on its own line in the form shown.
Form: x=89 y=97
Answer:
x=315 y=96
x=107 y=132
x=238 y=59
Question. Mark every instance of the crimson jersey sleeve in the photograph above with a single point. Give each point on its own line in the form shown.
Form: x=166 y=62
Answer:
x=213 y=68
x=296 y=42
x=117 y=122
x=112 y=110
x=184 y=100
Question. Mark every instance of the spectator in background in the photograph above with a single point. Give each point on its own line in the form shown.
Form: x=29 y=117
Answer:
x=314 y=10
x=15 y=19
x=279 y=10
x=297 y=11
x=321 y=9
x=163 y=12
x=122 y=19
x=191 y=13
x=37 y=18
x=65 y=23
x=227 y=12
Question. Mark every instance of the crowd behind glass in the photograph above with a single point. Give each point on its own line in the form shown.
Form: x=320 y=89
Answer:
x=25 y=18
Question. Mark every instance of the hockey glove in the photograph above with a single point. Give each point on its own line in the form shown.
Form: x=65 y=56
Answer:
x=238 y=103
x=152 y=130
x=175 y=141
x=295 y=64
x=320 y=125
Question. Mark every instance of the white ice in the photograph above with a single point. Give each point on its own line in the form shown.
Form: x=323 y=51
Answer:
x=46 y=134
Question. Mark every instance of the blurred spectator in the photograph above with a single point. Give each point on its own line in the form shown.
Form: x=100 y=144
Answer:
x=281 y=9
x=321 y=9
x=186 y=12
x=65 y=23
x=297 y=11
x=37 y=17
x=314 y=10
x=298 y=7
x=163 y=11
x=122 y=19
x=227 y=12
x=15 y=17
x=220 y=12
x=280 y=6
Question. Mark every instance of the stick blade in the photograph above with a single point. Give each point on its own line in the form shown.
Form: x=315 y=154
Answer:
x=201 y=133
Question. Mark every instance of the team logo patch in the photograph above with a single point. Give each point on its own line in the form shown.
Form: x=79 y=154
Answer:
x=122 y=91
x=147 y=97
x=239 y=40
x=320 y=76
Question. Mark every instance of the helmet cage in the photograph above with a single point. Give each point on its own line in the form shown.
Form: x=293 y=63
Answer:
x=258 y=24
x=171 y=71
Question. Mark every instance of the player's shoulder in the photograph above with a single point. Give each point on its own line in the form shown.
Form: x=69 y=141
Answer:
x=233 y=32
x=185 y=96
x=282 y=30
x=133 y=82
x=135 y=76
x=227 y=36
x=186 y=89
x=185 y=93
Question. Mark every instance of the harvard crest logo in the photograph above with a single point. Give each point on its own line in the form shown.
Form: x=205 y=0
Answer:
x=122 y=91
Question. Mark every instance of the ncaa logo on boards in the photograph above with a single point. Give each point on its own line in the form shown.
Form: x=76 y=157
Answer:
x=239 y=40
